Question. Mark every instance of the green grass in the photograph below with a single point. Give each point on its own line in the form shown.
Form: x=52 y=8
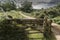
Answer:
x=36 y=35
x=14 y=14
x=33 y=35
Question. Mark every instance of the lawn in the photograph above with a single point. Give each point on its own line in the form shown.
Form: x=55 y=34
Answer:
x=14 y=14
x=35 y=36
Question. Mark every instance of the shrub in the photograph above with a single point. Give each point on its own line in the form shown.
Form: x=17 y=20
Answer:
x=57 y=19
x=9 y=31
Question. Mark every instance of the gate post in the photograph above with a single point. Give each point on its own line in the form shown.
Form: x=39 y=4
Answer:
x=48 y=34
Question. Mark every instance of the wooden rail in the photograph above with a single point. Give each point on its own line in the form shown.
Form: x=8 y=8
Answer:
x=44 y=22
x=27 y=21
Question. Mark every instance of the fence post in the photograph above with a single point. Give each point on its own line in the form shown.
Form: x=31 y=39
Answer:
x=48 y=34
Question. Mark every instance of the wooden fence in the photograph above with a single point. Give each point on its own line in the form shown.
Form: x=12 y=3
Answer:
x=43 y=24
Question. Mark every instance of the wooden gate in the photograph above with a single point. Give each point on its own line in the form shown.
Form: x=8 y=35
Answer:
x=41 y=25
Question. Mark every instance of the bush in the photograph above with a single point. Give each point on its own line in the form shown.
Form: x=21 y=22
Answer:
x=53 y=14
x=9 y=31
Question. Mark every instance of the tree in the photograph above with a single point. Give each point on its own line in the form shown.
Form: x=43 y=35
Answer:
x=26 y=6
x=9 y=5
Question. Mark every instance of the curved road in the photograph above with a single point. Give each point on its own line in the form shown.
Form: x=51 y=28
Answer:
x=54 y=25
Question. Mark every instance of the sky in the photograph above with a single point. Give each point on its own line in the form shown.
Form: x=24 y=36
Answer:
x=36 y=0
x=37 y=3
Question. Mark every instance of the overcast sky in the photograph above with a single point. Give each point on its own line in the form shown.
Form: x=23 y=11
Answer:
x=38 y=0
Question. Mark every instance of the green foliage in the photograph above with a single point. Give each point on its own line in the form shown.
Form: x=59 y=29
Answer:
x=26 y=6
x=57 y=19
x=53 y=14
x=9 y=31
x=50 y=12
x=9 y=5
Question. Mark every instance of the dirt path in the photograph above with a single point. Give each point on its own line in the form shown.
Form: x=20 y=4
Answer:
x=56 y=26
x=58 y=37
x=26 y=17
